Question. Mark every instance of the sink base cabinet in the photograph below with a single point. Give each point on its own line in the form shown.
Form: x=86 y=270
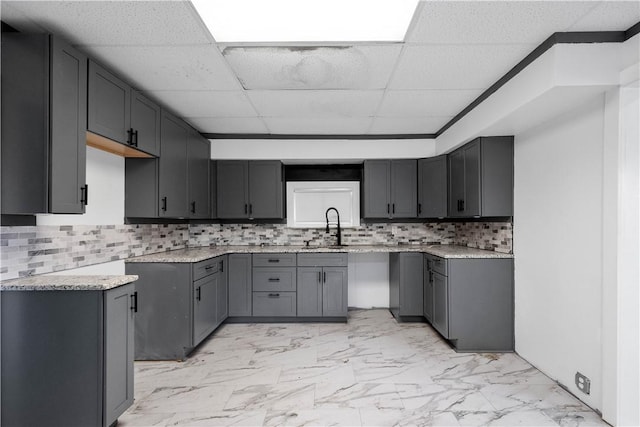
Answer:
x=179 y=307
x=70 y=361
x=473 y=303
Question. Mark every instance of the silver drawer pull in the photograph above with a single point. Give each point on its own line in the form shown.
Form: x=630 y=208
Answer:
x=274 y=295
x=274 y=279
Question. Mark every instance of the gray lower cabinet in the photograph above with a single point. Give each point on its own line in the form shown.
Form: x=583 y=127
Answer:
x=274 y=285
x=473 y=302
x=481 y=178
x=44 y=124
x=240 y=292
x=180 y=306
x=432 y=187
x=428 y=289
x=249 y=189
x=406 y=285
x=322 y=285
x=390 y=189
x=76 y=367
x=222 y=296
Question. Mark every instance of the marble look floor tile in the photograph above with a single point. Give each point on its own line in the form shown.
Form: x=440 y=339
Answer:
x=215 y=419
x=242 y=376
x=435 y=397
x=227 y=358
x=284 y=356
x=394 y=417
x=579 y=418
x=519 y=397
x=278 y=397
x=144 y=419
x=320 y=373
x=184 y=399
x=505 y=418
x=315 y=417
x=392 y=373
x=357 y=395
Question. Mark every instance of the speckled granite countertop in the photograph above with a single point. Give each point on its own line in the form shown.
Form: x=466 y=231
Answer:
x=66 y=283
x=201 y=254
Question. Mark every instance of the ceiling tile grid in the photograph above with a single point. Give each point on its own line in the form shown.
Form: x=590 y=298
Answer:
x=454 y=50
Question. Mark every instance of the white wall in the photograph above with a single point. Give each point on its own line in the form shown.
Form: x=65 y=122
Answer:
x=105 y=178
x=558 y=247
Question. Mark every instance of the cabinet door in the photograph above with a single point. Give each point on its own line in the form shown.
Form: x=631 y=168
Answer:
x=109 y=104
x=198 y=153
x=428 y=289
x=472 y=179
x=404 y=188
x=68 y=126
x=223 y=292
x=233 y=189
x=239 y=285
x=309 y=292
x=440 y=319
x=145 y=123
x=411 y=284
x=377 y=177
x=172 y=173
x=432 y=187
x=205 y=293
x=456 y=184
x=119 y=306
x=334 y=291
x=265 y=189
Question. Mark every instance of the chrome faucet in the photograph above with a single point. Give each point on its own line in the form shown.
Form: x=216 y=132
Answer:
x=326 y=215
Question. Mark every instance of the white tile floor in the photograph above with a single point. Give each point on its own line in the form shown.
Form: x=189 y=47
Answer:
x=371 y=371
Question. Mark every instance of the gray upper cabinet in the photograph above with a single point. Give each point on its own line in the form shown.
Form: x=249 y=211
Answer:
x=172 y=182
x=109 y=105
x=432 y=187
x=44 y=110
x=249 y=189
x=481 y=178
x=390 y=189
x=145 y=123
x=198 y=154
x=121 y=114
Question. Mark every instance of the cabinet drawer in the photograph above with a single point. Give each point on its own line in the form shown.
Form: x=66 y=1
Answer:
x=274 y=260
x=204 y=268
x=275 y=304
x=439 y=265
x=274 y=279
x=323 y=260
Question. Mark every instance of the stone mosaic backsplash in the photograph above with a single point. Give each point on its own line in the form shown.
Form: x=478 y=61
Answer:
x=29 y=251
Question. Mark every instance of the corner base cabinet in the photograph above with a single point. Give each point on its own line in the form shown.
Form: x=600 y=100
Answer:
x=471 y=302
x=405 y=285
x=183 y=304
x=69 y=361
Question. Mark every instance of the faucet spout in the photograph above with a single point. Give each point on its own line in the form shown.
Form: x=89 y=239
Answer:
x=326 y=215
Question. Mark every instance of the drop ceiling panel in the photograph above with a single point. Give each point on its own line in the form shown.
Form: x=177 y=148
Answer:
x=206 y=103
x=314 y=125
x=228 y=124
x=610 y=16
x=112 y=22
x=456 y=66
x=402 y=125
x=169 y=67
x=316 y=103
x=420 y=103
x=482 y=22
x=313 y=67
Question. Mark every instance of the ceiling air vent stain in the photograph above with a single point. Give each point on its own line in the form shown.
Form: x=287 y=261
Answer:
x=300 y=67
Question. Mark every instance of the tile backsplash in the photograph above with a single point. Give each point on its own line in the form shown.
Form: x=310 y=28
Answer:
x=44 y=249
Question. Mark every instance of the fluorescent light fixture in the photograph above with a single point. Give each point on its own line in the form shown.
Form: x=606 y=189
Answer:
x=306 y=20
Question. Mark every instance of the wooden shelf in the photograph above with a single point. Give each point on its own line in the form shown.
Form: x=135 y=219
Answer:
x=105 y=144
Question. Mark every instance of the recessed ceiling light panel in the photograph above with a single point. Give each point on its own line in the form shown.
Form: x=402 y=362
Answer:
x=306 y=20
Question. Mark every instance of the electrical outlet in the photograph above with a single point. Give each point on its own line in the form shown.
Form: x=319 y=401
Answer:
x=583 y=383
